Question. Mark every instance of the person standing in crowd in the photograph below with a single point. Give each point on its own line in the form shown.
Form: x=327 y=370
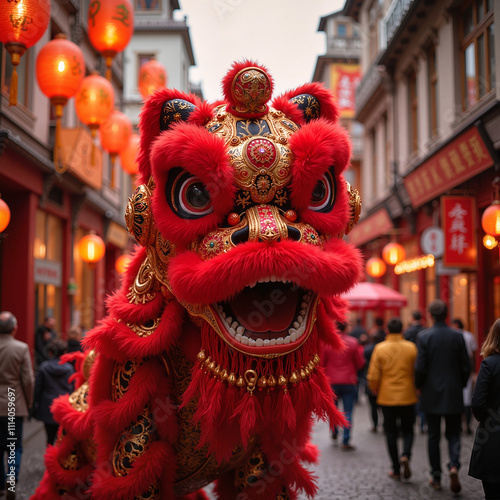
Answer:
x=485 y=458
x=378 y=332
x=441 y=372
x=391 y=378
x=341 y=368
x=74 y=339
x=16 y=395
x=471 y=344
x=411 y=333
x=358 y=330
x=44 y=334
x=52 y=380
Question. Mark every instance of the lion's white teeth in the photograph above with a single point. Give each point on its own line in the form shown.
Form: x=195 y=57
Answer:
x=260 y=342
x=234 y=324
x=244 y=340
x=223 y=314
x=240 y=330
x=303 y=305
x=229 y=320
x=273 y=342
x=231 y=331
x=267 y=341
x=296 y=324
x=293 y=336
x=300 y=319
x=280 y=341
x=286 y=340
x=238 y=337
x=251 y=341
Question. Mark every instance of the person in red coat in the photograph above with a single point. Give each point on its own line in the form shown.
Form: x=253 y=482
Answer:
x=341 y=368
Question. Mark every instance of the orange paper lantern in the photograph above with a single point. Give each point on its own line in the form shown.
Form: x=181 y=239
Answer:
x=152 y=76
x=60 y=68
x=375 y=267
x=22 y=24
x=115 y=133
x=490 y=220
x=110 y=27
x=122 y=262
x=128 y=157
x=91 y=248
x=94 y=101
x=393 y=253
x=4 y=215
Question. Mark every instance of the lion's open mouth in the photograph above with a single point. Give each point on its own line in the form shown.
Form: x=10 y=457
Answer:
x=267 y=313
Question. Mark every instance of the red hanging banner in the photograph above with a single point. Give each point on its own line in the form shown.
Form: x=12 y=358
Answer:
x=459 y=227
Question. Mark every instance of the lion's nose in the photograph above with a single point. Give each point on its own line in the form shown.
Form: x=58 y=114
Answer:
x=264 y=223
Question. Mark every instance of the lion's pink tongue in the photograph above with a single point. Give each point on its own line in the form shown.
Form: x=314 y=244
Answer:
x=267 y=307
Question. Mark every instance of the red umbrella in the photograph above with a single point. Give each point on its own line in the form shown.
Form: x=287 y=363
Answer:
x=366 y=295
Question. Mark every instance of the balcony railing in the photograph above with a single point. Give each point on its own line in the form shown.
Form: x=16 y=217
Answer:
x=393 y=19
x=367 y=86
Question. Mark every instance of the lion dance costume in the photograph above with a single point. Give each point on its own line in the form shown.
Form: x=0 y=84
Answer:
x=207 y=367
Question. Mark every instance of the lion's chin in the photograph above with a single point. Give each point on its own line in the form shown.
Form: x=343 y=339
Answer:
x=268 y=317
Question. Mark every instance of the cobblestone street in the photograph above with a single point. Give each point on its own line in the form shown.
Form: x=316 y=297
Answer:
x=359 y=474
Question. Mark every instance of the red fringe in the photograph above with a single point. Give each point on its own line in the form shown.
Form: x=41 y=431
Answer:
x=249 y=411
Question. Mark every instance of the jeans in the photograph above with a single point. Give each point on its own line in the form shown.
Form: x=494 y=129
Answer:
x=406 y=417
x=346 y=393
x=6 y=439
x=452 y=433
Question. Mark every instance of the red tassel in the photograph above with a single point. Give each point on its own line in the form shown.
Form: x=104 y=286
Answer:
x=285 y=413
x=267 y=410
x=249 y=410
x=194 y=387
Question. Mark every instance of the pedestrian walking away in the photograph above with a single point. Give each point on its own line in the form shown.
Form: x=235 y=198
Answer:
x=341 y=368
x=441 y=372
x=16 y=395
x=391 y=379
x=52 y=380
x=485 y=458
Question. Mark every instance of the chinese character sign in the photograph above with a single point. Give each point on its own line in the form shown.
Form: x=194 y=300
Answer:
x=459 y=226
x=344 y=80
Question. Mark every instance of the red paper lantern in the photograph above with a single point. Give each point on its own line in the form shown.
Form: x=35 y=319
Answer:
x=60 y=68
x=4 y=215
x=152 y=76
x=115 y=134
x=375 y=267
x=393 y=253
x=122 y=262
x=22 y=24
x=94 y=101
x=91 y=248
x=128 y=157
x=110 y=27
x=490 y=220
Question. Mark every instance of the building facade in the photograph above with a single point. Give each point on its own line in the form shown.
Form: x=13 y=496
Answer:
x=429 y=101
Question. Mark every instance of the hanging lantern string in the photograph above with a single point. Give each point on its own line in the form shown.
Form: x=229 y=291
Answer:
x=496 y=183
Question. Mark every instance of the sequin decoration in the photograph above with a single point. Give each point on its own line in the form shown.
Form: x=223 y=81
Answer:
x=261 y=153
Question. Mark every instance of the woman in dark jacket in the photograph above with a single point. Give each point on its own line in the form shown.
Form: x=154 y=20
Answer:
x=51 y=382
x=485 y=459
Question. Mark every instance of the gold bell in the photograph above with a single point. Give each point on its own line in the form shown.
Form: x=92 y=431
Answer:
x=303 y=373
x=201 y=356
x=211 y=366
x=217 y=371
x=224 y=375
x=240 y=382
x=294 y=378
x=282 y=380
x=271 y=381
x=231 y=379
x=262 y=382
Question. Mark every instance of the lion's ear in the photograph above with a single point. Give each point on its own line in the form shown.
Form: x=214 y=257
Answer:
x=308 y=102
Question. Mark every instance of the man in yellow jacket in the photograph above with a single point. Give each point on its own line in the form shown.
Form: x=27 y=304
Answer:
x=391 y=378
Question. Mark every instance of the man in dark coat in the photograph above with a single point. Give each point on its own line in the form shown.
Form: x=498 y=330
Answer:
x=441 y=372
x=411 y=333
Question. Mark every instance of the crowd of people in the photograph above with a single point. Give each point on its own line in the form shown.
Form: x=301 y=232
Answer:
x=29 y=392
x=426 y=372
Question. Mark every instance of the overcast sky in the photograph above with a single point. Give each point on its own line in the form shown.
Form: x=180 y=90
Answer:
x=280 y=34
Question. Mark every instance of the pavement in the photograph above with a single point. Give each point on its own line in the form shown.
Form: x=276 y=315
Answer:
x=342 y=475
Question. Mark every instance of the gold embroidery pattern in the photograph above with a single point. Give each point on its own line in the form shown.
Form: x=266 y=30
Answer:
x=121 y=377
x=133 y=443
x=138 y=216
x=251 y=88
x=144 y=287
x=73 y=460
x=145 y=329
x=354 y=206
x=152 y=493
x=78 y=399
x=250 y=471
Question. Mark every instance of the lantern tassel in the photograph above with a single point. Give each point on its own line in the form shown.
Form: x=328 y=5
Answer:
x=112 y=176
x=13 y=88
x=57 y=143
x=92 y=151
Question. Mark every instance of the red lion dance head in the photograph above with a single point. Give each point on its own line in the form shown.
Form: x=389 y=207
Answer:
x=207 y=366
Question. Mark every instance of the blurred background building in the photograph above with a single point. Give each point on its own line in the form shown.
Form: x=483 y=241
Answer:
x=429 y=104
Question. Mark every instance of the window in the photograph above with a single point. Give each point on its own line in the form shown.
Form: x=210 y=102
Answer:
x=413 y=107
x=373 y=138
x=373 y=26
x=341 y=30
x=477 y=51
x=22 y=75
x=148 y=5
x=433 y=90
